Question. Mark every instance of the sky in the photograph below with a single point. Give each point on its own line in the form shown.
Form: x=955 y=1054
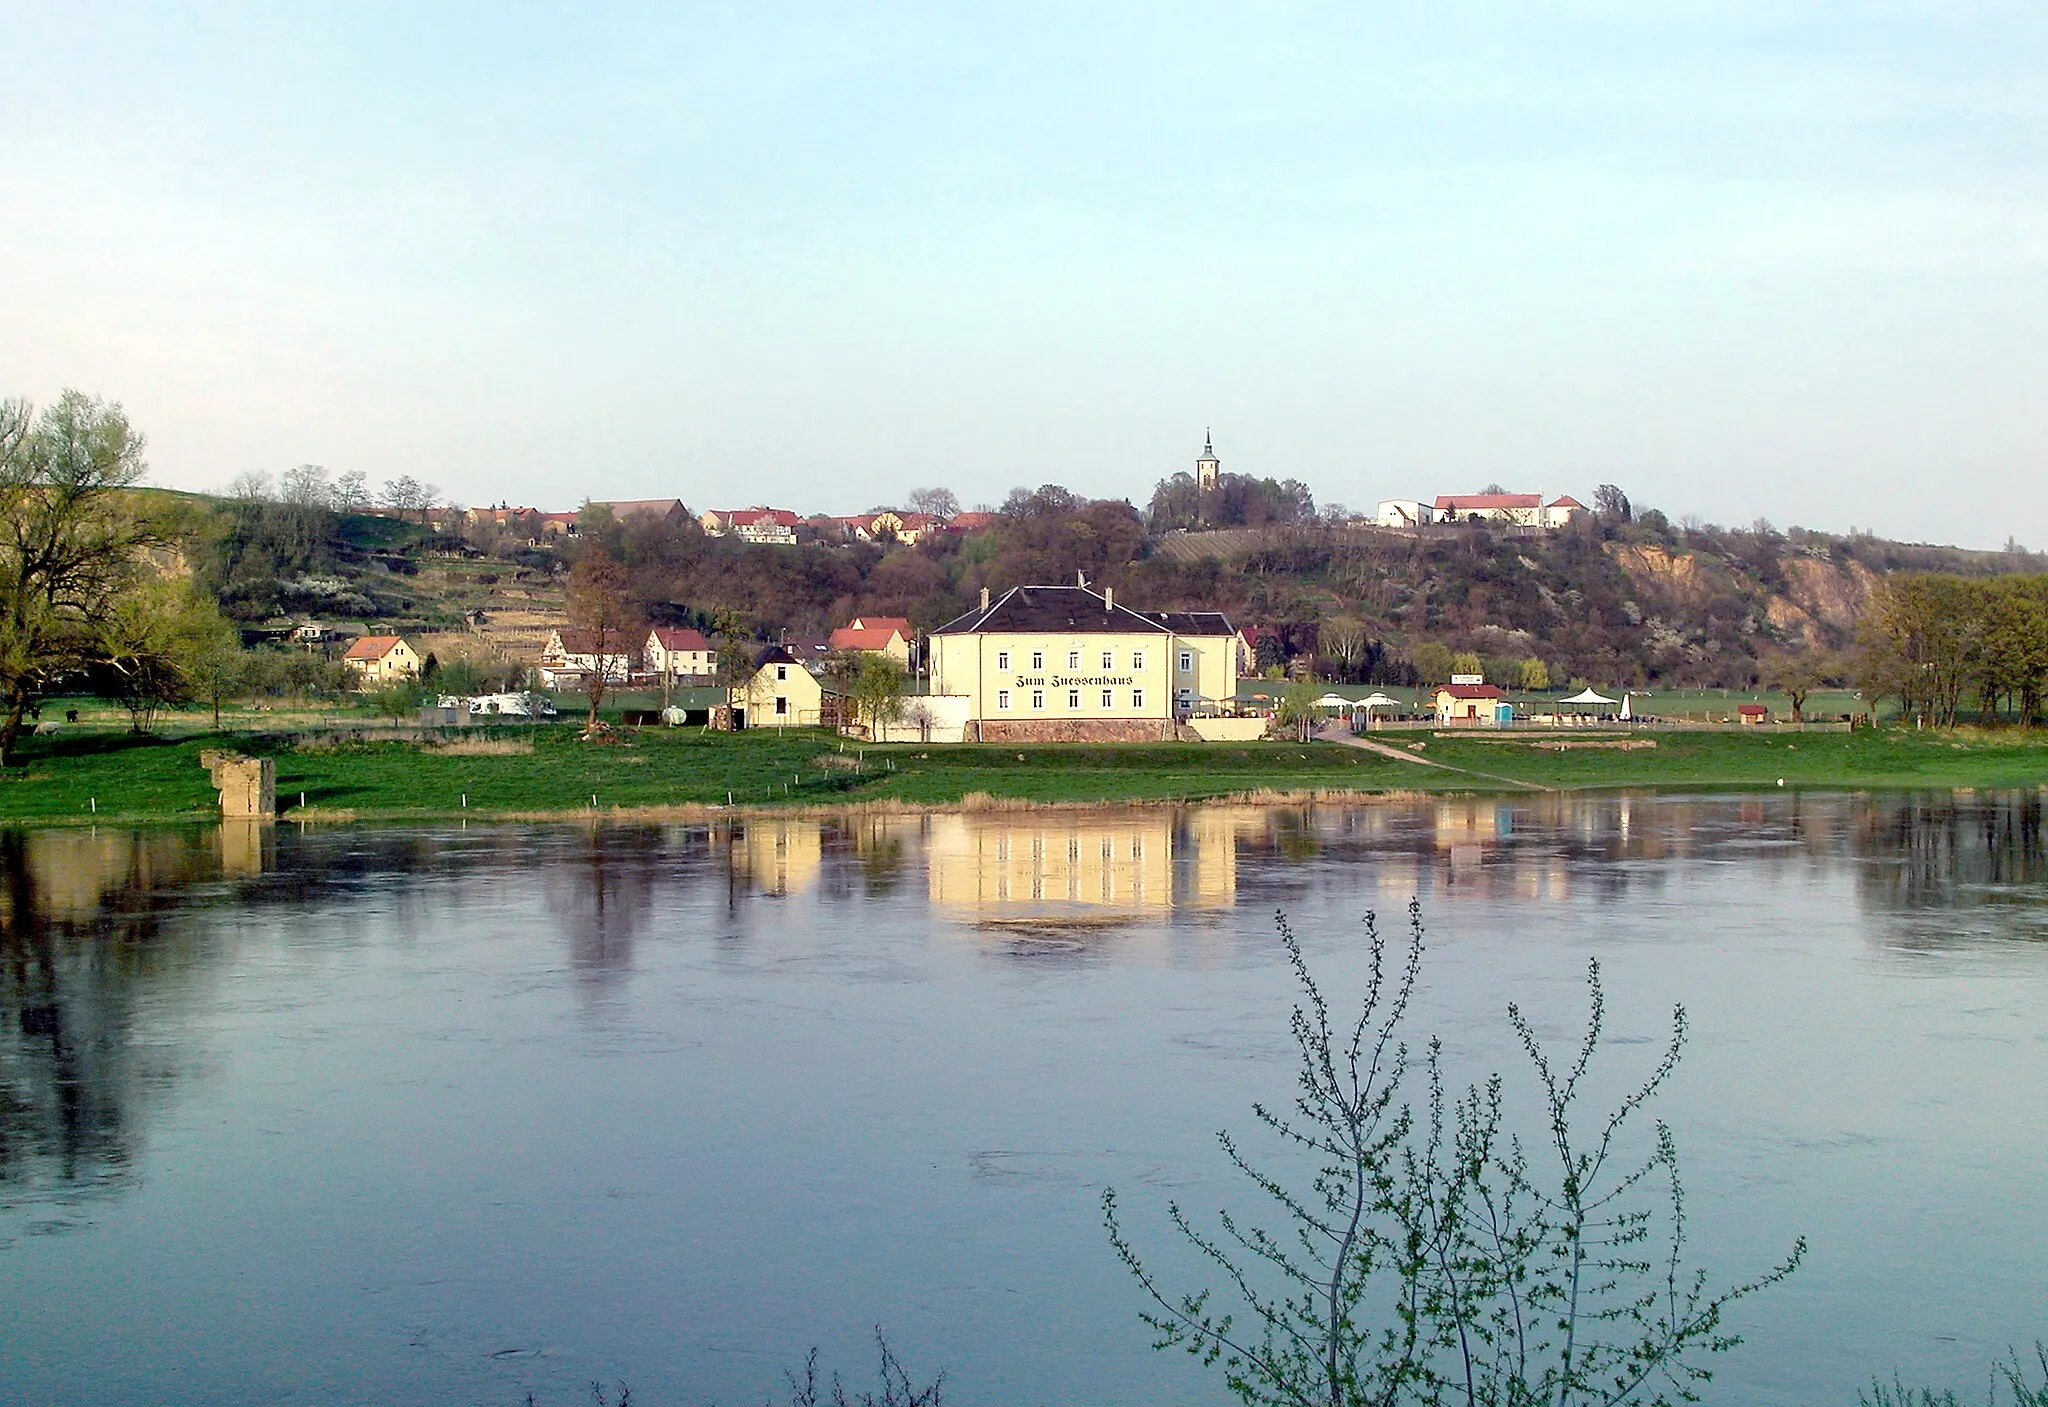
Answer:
x=1780 y=261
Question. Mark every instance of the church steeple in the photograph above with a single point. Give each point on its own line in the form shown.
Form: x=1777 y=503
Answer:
x=1208 y=466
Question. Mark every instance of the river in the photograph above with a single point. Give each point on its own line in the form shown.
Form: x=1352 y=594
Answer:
x=450 y=1115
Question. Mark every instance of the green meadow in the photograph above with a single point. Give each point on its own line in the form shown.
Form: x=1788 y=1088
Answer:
x=516 y=770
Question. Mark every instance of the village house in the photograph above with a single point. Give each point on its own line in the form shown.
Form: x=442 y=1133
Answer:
x=1470 y=705
x=571 y=656
x=677 y=654
x=378 y=661
x=776 y=526
x=906 y=528
x=878 y=635
x=974 y=521
x=782 y=693
x=1067 y=664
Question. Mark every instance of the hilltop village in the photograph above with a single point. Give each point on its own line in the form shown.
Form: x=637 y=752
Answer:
x=1050 y=616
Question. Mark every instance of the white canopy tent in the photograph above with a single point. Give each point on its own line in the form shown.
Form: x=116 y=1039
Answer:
x=1378 y=701
x=1587 y=696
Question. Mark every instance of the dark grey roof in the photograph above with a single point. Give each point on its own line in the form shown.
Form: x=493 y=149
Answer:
x=1193 y=622
x=1035 y=610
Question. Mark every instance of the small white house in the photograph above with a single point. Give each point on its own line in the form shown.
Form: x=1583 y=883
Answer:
x=680 y=654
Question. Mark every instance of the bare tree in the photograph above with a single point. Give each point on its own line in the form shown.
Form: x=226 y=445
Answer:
x=408 y=495
x=940 y=503
x=600 y=609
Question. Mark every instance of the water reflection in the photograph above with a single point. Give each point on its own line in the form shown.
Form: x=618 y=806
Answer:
x=98 y=961
x=81 y=952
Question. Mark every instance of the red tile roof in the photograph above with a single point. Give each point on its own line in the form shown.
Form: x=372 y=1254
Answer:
x=852 y=638
x=972 y=522
x=372 y=647
x=754 y=517
x=1470 y=691
x=1458 y=502
x=674 y=638
x=895 y=623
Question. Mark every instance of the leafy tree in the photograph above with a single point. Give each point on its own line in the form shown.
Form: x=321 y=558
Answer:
x=876 y=688
x=1435 y=1259
x=72 y=541
x=159 y=639
x=1535 y=675
x=1296 y=712
x=1611 y=505
x=1433 y=661
x=600 y=608
x=1467 y=662
x=1795 y=674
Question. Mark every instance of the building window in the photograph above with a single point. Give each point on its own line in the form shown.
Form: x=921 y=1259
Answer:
x=781 y=704
x=1073 y=659
x=1137 y=698
x=1037 y=660
x=1002 y=698
x=1109 y=659
x=1137 y=660
x=782 y=671
x=1038 y=698
x=1073 y=698
x=1002 y=659
x=1187 y=661
x=1109 y=698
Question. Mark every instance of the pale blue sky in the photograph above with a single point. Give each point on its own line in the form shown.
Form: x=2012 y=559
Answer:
x=1743 y=259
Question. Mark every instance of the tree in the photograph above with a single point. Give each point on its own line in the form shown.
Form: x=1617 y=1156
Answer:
x=159 y=640
x=600 y=609
x=940 y=503
x=1467 y=662
x=1297 y=712
x=1535 y=675
x=1432 y=661
x=72 y=540
x=408 y=495
x=1611 y=505
x=1344 y=640
x=876 y=688
x=1434 y=1257
x=1795 y=674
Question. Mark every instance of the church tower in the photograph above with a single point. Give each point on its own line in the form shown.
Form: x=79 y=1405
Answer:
x=1208 y=466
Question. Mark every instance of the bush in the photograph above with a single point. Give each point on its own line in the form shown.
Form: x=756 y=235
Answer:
x=1431 y=1258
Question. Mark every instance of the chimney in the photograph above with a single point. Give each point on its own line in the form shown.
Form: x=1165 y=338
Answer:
x=1108 y=598
x=984 y=598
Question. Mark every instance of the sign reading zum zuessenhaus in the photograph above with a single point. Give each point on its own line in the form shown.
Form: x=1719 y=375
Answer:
x=1065 y=681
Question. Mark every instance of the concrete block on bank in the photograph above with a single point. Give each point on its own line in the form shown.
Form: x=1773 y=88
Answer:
x=247 y=785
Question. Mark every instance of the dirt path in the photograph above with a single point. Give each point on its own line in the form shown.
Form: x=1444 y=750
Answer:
x=1341 y=733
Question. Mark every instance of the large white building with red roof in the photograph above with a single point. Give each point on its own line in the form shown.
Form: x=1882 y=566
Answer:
x=770 y=525
x=1526 y=510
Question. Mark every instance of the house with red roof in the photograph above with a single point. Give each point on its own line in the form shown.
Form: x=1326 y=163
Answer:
x=972 y=522
x=379 y=661
x=878 y=635
x=679 y=654
x=1469 y=705
x=1526 y=510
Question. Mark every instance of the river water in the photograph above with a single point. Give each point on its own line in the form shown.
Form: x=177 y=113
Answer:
x=448 y=1115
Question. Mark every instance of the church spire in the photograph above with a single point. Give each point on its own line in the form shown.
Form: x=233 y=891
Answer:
x=1208 y=467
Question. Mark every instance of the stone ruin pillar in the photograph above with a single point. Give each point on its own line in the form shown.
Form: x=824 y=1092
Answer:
x=247 y=785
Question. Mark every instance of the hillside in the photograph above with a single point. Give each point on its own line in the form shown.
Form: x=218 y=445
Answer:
x=1633 y=602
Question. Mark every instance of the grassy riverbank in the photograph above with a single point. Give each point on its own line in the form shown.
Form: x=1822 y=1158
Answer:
x=545 y=770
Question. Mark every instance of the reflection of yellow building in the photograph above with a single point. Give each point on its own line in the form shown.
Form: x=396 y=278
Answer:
x=780 y=857
x=1048 y=859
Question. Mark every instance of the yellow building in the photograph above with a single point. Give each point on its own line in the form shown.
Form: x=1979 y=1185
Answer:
x=782 y=694
x=992 y=865
x=1066 y=664
x=379 y=660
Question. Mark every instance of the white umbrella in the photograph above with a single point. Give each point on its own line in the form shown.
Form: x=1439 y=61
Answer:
x=1378 y=701
x=1588 y=697
x=1333 y=701
x=1624 y=705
